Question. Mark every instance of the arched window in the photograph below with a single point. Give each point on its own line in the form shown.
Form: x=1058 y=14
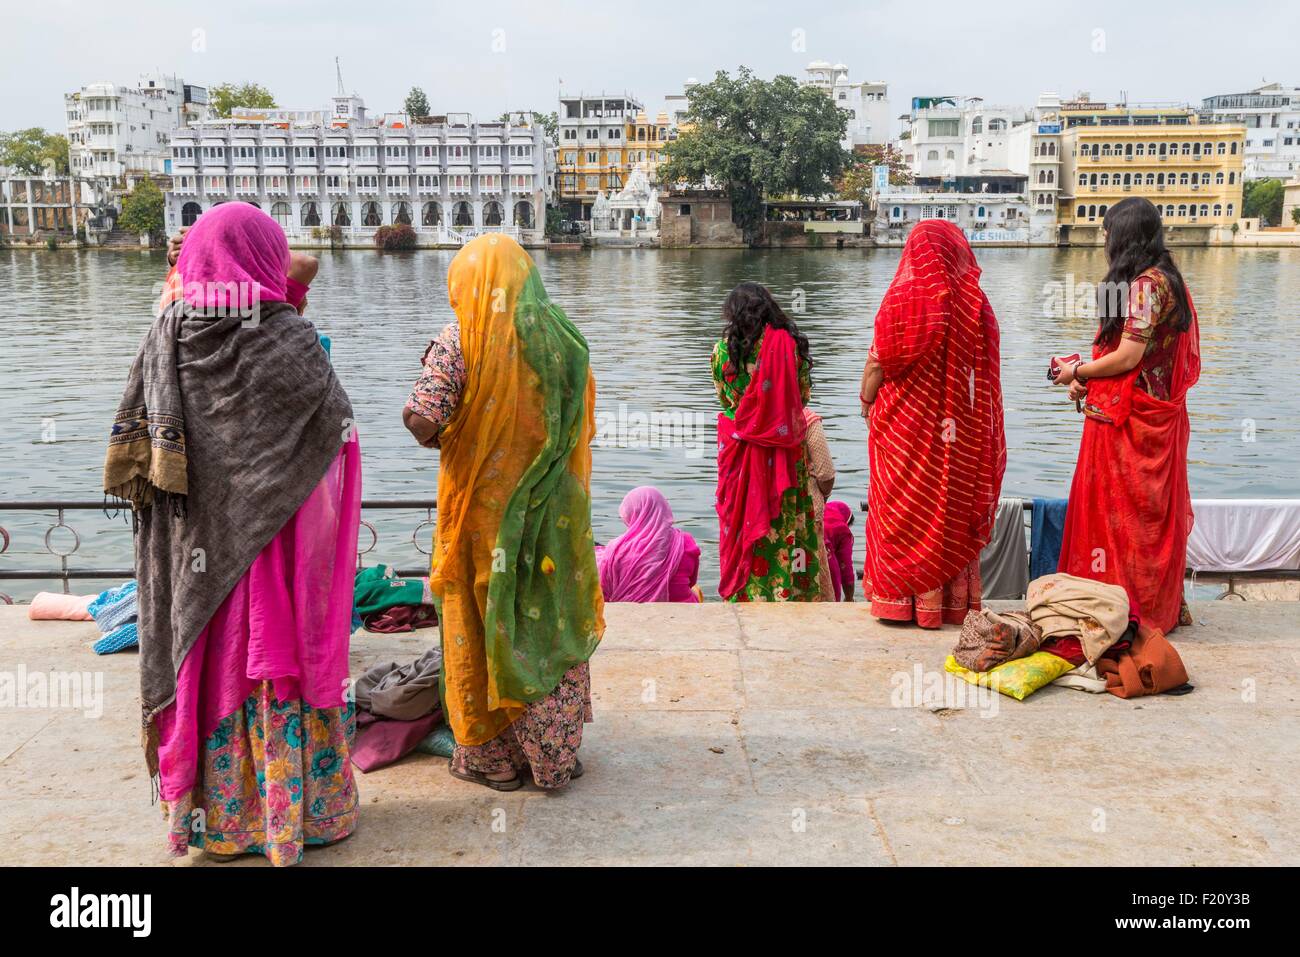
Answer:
x=1233 y=150
x=370 y=214
x=1205 y=209
x=1051 y=149
x=1218 y=210
x=1139 y=150
x=1083 y=179
x=1105 y=179
x=1160 y=179
x=1051 y=176
x=492 y=213
x=897 y=213
x=1169 y=210
x=1182 y=210
x=340 y=216
x=980 y=214
x=997 y=124
x=310 y=214
x=282 y=214
x=950 y=155
x=1221 y=149
x=932 y=155
x=463 y=216
x=1232 y=178
x=1092 y=212
x=189 y=213
x=1101 y=210
x=524 y=214
x=1092 y=180
x=1205 y=179
x=431 y=215
x=1151 y=179
x=1163 y=149
x=1083 y=211
x=1128 y=149
x=1127 y=179
x=977 y=125
x=402 y=214
x=1230 y=209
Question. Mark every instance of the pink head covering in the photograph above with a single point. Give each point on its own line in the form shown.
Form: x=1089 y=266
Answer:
x=233 y=255
x=837 y=513
x=639 y=564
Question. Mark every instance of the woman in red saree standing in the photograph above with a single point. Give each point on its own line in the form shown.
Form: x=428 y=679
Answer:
x=1130 y=508
x=932 y=397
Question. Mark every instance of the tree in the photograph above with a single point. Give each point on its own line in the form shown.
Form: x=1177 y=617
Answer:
x=142 y=211
x=1263 y=198
x=27 y=151
x=859 y=179
x=758 y=138
x=549 y=122
x=1295 y=215
x=417 y=104
x=225 y=97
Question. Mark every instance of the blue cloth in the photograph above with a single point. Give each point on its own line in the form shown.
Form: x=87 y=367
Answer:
x=115 y=607
x=1045 y=536
x=124 y=637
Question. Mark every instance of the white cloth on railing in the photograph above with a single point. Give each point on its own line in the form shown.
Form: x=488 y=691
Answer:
x=1242 y=535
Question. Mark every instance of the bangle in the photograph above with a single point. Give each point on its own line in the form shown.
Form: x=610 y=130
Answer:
x=1082 y=380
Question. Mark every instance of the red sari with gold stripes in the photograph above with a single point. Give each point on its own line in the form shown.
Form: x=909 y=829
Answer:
x=937 y=445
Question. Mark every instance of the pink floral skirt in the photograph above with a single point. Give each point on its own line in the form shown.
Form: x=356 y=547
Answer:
x=544 y=741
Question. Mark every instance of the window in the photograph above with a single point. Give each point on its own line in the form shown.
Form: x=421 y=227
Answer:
x=214 y=154
x=615 y=134
x=521 y=152
x=397 y=184
x=426 y=184
x=365 y=154
x=944 y=128
x=524 y=214
x=340 y=216
x=214 y=184
x=402 y=214
x=570 y=134
x=489 y=153
x=458 y=152
x=189 y=213
x=395 y=152
x=301 y=153
x=282 y=214
x=336 y=153
x=684 y=209
x=308 y=184
x=370 y=214
x=245 y=154
x=932 y=155
x=431 y=215
x=490 y=182
x=339 y=184
x=492 y=214
x=593 y=134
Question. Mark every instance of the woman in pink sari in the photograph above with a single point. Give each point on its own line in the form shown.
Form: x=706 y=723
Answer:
x=235 y=449
x=652 y=561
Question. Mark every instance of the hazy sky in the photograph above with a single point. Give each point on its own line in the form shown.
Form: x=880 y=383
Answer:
x=487 y=57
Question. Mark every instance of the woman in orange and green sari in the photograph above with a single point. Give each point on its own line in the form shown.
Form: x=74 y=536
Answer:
x=767 y=525
x=508 y=398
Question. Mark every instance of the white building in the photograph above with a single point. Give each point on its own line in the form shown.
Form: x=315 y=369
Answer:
x=1271 y=115
x=987 y=219
x=115 y=131
x=1034 y=149
x=946 y=137
x=866 y=102
x=631 y=214
x=448 y=176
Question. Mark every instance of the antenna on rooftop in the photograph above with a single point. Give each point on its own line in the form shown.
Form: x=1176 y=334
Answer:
x=338 y=71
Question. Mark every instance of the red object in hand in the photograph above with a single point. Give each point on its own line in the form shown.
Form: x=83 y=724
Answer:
x=1054 y=368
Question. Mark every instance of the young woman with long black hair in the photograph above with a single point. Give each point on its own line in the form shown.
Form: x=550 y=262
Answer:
x=1130 y=506
x=768 y=536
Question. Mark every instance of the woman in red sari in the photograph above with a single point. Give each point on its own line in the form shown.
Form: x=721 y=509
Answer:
x=932 y=397
x=1130 y=506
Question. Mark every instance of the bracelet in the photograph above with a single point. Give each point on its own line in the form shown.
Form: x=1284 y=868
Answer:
x=1078 y=378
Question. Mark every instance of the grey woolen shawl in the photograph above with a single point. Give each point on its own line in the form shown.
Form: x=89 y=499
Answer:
x=264 y=416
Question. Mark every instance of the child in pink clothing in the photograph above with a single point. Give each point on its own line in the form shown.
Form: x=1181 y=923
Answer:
x=839 y=548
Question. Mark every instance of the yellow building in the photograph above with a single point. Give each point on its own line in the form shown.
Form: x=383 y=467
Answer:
x=1191 y=170
x=646 y=142
x=592 y=153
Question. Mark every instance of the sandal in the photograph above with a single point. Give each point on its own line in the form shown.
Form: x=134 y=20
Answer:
x=478 y=777
x=578 y=770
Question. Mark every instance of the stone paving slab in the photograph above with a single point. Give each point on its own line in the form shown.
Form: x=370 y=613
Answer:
x=753 y=735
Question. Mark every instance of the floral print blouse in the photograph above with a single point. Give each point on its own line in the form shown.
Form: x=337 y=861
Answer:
x=441 y=380
x=1150 y=304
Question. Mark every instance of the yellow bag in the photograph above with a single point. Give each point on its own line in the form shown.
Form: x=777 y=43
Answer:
x=1018 y=678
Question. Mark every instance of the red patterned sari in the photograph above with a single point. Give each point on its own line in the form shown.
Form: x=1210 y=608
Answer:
x=937 y=445
x=1130 y=506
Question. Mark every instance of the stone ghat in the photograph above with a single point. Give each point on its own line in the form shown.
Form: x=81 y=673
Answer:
x=754 y=736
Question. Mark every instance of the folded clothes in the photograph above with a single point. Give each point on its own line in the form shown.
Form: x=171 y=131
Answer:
x=51 y=606
x=1018 y=679
x=115 y=607
x=1083 y=678
x=376 y=589
x=1047 y=528
x=440 y=742
x=401 y=618
x=381 y=741
x=1097 y=612
x=1232 y=535
x=118 y=639
x=398 y=691
x=988 y=639
x=1004 y=562
x=1150 y=666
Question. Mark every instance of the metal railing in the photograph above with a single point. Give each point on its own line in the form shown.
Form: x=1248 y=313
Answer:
x=66 y=574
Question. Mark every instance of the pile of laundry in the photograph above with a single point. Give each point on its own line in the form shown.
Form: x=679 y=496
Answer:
x=115 y=611
x=1074 y=632
x=399 y=711
x=384 y=603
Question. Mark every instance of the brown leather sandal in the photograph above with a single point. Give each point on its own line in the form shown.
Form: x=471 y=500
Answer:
x=478 y=777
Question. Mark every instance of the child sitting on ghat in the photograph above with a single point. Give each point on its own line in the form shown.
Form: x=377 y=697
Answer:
x=839 y=548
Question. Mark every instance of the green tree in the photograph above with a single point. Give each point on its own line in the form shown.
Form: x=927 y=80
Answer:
x=27 y=151
x=142 y=211
x=758 y=138
x=1263 y=198
x=859 y=178
x=225 y=97
x=1295 y=215
x=417 y=104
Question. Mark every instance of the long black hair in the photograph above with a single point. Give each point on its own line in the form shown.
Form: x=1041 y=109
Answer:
x=748 y=311
x=1135 y=242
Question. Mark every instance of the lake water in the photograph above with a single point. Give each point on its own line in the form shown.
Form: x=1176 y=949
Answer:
x=70 y=323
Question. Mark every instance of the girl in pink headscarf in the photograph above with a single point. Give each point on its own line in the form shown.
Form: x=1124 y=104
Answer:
x=651 y=561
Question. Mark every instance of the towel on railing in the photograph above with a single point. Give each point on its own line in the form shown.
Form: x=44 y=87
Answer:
x=1045 y=536
x=1244 y=535
x=1004 y=562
